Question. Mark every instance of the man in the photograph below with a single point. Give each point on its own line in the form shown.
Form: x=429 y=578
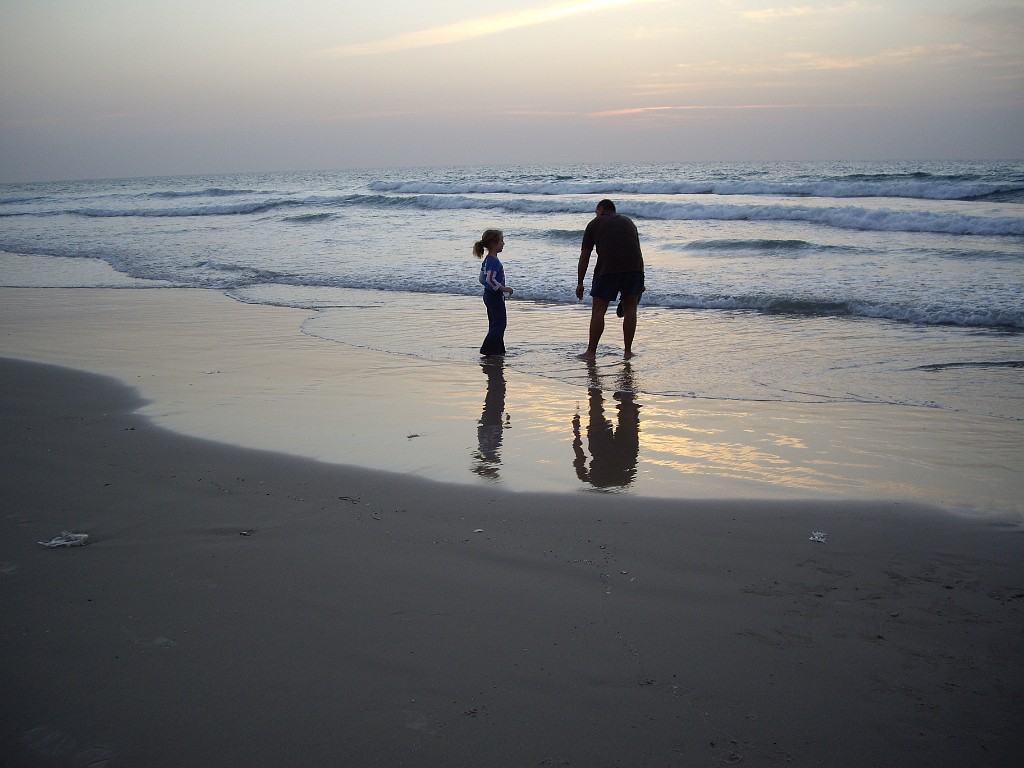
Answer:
x=619 y=271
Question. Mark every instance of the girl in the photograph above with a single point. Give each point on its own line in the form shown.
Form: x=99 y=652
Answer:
x=492 y=277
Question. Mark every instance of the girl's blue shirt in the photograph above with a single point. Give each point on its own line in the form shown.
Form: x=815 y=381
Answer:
x=492 y=273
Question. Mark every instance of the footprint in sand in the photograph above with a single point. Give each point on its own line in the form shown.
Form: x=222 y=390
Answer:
x=53 y=743
x=94 y=757
x=49 y=742
x=155 y=642
x=417 y=721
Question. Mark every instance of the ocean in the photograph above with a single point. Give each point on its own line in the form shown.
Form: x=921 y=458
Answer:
x=883 y=282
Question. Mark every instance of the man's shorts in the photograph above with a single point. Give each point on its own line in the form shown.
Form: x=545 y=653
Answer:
x=607 y=287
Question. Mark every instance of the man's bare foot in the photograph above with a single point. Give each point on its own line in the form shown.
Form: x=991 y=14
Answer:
x=587 y=356
x=627 y=355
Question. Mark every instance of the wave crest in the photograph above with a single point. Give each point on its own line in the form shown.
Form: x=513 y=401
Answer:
x=921 y=186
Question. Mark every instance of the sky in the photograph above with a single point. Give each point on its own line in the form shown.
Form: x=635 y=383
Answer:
x=112 y=88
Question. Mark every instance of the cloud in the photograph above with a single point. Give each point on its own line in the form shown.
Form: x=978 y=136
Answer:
x=807 y=61
x=933 y=54
x=767 y=14
x=997 y=23
x=690 y=108
x=474 y=28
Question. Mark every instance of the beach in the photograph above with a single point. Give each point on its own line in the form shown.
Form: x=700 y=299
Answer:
x=299 y=554
x=269 y=500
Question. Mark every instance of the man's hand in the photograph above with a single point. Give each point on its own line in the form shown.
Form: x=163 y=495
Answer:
x=581 y=271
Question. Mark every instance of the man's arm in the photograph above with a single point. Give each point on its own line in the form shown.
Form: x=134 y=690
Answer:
x=582 y=270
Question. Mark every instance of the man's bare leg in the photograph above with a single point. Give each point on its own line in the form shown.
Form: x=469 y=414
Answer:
x=600 y=306
x=628 y=304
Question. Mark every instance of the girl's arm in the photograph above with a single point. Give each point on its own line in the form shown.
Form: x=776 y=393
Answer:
x=491 y=281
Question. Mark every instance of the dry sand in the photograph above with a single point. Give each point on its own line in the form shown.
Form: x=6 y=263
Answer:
x=243 y=608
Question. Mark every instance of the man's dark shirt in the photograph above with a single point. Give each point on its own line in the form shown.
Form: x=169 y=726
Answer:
x=617 y=242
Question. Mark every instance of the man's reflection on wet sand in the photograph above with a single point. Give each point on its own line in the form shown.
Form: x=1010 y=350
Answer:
x=492 y=424
x=614 y=449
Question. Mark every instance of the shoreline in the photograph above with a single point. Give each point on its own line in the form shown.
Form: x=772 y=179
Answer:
x=246 y=375
x=239 y=607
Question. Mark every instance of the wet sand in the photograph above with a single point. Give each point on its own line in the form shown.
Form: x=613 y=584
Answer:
x=247 y=375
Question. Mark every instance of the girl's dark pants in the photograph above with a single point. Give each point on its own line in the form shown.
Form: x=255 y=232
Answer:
x=497 y=319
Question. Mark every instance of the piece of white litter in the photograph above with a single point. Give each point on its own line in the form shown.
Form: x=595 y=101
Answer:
x=67 y=539
x=479 y=530
x=818 y=536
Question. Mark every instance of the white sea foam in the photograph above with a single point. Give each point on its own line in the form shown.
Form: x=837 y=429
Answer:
x=925 y=189
x=842 y=217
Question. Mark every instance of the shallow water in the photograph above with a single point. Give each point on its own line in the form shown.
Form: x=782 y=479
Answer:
x=726 y=355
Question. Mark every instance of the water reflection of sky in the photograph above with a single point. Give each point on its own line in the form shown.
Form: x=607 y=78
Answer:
x=536 y=435
x=610 y=438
